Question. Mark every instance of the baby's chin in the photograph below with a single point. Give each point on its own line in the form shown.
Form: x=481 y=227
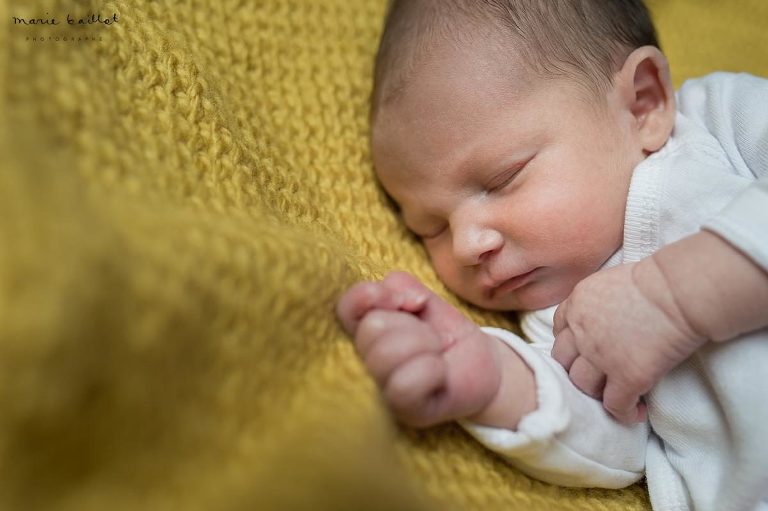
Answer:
x=532 y=296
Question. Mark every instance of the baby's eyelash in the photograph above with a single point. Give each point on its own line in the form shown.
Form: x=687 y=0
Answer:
x=506 y=177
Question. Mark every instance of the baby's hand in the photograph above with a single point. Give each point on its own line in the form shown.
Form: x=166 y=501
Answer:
x=431 y=363
x=618 y=333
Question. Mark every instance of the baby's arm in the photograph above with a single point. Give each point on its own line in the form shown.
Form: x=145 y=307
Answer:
x=703 y=287
x=569 y=440
x=721 y=292
x=660 y=311
x=433 y=365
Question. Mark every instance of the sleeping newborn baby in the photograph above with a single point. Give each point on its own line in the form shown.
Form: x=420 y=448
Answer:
x=530 y=145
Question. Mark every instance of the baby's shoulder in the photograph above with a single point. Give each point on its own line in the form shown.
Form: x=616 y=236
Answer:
x=718 y=90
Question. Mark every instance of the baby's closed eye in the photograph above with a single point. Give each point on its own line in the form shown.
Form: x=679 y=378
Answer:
x=502 y=179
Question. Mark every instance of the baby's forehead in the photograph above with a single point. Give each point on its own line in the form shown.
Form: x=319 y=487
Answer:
x=476 y=59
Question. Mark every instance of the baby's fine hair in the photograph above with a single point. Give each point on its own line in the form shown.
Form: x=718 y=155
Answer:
x=584 y=39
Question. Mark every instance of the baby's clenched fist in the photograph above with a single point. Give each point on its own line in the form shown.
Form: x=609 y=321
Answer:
x=404 y=356
x=431 y=363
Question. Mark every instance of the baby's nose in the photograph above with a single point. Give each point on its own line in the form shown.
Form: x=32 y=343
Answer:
x=473 y=244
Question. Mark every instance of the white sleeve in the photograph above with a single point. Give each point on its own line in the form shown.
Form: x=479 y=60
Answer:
x=744 y=222
x=569 y=440
x=734 y=109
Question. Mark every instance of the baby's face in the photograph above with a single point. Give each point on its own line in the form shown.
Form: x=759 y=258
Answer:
x=517 y=188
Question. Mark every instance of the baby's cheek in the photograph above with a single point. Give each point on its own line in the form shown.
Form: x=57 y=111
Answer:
x=450 y=273
x=442 y=259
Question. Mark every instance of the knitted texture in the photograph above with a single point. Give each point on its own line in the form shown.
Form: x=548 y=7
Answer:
x=184 y=193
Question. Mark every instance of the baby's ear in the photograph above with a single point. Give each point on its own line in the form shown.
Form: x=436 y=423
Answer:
x=646 y=91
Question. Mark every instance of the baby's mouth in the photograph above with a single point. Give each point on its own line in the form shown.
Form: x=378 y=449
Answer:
x=510 y=284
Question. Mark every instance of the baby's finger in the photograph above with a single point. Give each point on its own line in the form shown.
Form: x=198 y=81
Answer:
x=377 y=325
x=564 y=349
x=360 y=299
x=413 y=391
x=587 y=378
x=642 y=412
x=560 y=322
x=623 y=404
x=371 y=328
x=397 y=347
x=413 y=294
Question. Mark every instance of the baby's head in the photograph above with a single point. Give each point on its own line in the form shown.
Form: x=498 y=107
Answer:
x=507 y=131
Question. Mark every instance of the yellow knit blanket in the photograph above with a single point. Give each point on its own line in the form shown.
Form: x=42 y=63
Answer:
x=184 y=192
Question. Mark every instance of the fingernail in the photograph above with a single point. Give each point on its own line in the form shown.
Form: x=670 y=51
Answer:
x=375 y=323
x=413 y=299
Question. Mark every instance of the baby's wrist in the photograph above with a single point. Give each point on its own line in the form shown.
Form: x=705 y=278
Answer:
x=516 y=394
x=652 y=281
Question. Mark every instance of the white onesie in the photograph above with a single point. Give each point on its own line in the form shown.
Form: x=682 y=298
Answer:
x=707 y=445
